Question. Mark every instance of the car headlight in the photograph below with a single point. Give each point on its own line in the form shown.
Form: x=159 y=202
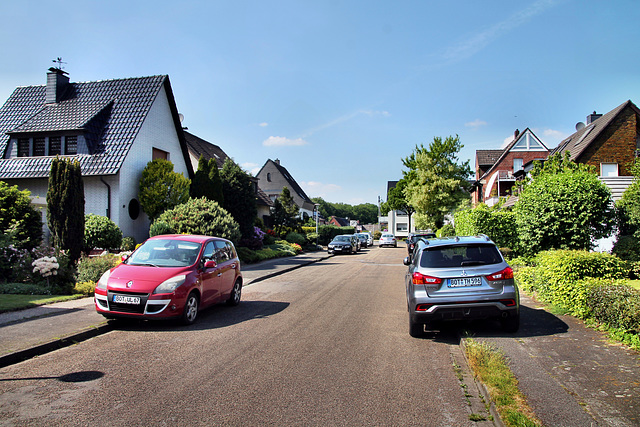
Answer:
x=102 y=283
x=170 y=285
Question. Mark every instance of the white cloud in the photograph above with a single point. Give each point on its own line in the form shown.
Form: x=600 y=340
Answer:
x=507 y=141
x=263 y=124
x=476 y=124
x=319 y=189
x=552 y=138
x=280 y=141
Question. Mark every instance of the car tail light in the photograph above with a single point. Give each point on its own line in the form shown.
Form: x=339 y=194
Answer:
x=421 y=279
x=505 y=274
x=423 y=307
x=508 y=302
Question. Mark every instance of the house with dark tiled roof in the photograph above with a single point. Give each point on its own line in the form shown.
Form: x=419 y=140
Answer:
x=199 y=147
x=113 y=128
x=495 y=168
x=610 y=143
x=274 y=177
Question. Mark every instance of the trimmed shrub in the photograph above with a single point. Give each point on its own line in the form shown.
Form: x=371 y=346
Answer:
x=24 y=289
x=19 y=217
x=377 y=234
x=615 y=304
x=447 y=230
x=159 y=228
x=84 y=288
x=499 y=225
x=201 y=216
x=296 y=238
x=128 y=244
x=101 y=232
x=326 y=233
x=90 y=269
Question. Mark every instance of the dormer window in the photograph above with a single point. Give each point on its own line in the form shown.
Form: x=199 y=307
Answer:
x=71 y=145
x=41 y=146
x=23 y=147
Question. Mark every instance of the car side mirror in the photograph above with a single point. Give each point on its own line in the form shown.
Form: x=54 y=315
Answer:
x=406 y=261
x=124 y=257
x=210 y=264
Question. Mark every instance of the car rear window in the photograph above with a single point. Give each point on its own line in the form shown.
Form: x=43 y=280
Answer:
x=457 y=256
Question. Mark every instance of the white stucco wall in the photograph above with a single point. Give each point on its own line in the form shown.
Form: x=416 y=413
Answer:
x=157 y=131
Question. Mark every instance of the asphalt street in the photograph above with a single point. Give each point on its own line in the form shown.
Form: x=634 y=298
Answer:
x=326 y=344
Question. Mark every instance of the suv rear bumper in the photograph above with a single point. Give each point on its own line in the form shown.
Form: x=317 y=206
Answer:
x=464 y=311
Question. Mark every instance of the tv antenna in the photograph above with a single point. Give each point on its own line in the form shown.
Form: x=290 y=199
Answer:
x=58 y=61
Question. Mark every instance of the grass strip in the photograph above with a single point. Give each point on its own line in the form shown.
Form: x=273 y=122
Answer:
x=490 y=367
x=11 y=302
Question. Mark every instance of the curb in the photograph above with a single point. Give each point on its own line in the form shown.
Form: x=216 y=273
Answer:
x=22 y=355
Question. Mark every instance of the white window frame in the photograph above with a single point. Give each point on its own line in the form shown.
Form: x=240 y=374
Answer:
x=607 y=169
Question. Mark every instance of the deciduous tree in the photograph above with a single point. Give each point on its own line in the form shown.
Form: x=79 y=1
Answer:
x=436 y=180
x=161 y=188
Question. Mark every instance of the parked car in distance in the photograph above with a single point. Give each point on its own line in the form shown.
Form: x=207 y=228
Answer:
x=369 y=239
x=364 y=240
x=171 y=276
x=460 y=278
x=388 y=239
x=412 y=238
x=343 y=244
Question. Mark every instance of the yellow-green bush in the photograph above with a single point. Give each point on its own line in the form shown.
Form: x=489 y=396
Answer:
x=84 y=288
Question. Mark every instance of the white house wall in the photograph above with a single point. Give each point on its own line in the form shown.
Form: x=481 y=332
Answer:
x=157 y=131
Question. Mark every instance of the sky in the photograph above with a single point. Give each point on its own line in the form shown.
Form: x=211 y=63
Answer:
x=341 y=91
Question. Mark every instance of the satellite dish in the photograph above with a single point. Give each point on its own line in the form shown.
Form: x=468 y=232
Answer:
x=580 y=126
x=181 y=117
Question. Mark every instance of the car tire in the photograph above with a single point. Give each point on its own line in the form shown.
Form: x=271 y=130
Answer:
x=236 y=294
x=190 y=312
x=416 y=330
x=511 y=324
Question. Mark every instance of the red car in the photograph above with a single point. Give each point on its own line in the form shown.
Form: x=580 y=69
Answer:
x=171 y=276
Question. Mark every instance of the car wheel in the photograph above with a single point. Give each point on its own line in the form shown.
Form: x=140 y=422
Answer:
x=416 y=330
x=236 y=294
x=190 y=312
x=511 y=324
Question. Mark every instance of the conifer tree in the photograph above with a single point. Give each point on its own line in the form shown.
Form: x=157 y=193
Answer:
x=65 y=206
x=239 y=196
x=206 y=181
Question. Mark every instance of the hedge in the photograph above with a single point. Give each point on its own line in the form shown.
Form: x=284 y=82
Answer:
x=499 y=225
x=588 y=285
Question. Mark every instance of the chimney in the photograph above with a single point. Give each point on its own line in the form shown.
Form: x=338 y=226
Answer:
x=593 y=117
x=57 y=80
x=516 y=133
x=277 y=162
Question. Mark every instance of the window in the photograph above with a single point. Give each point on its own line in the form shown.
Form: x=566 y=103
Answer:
x=55 y=145
x=39 y=146
x=23 y=147
x=608 y=169
x=268 y=177
x=517 y=164
x=159 y=154
x=71 y=145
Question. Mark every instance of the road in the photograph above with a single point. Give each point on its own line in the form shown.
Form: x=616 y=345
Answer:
x=326 y=344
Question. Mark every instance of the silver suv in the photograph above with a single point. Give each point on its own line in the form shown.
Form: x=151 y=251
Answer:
x=460 y=278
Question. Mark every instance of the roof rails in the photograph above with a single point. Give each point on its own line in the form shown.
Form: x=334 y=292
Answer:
x=485 y=236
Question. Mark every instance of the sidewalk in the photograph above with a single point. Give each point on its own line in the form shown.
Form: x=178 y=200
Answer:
x=34 y=331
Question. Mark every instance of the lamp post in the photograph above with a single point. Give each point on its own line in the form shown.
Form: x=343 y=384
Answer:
x=315 y=211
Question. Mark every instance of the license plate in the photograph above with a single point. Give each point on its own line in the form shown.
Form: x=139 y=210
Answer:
x=465 y=281
x=124 y=299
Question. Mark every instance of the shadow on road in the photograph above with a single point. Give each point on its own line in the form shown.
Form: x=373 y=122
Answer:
x=218 y=316
x=533 y=323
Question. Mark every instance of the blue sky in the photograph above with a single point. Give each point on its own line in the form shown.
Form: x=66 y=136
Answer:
x=341 y=91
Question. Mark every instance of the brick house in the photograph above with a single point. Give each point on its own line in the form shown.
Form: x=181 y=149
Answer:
x=610 y=143
x=113 y=128
x=495 y=168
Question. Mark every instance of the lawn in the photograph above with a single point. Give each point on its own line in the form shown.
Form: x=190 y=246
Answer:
x=10 y=302
x=634 y=284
